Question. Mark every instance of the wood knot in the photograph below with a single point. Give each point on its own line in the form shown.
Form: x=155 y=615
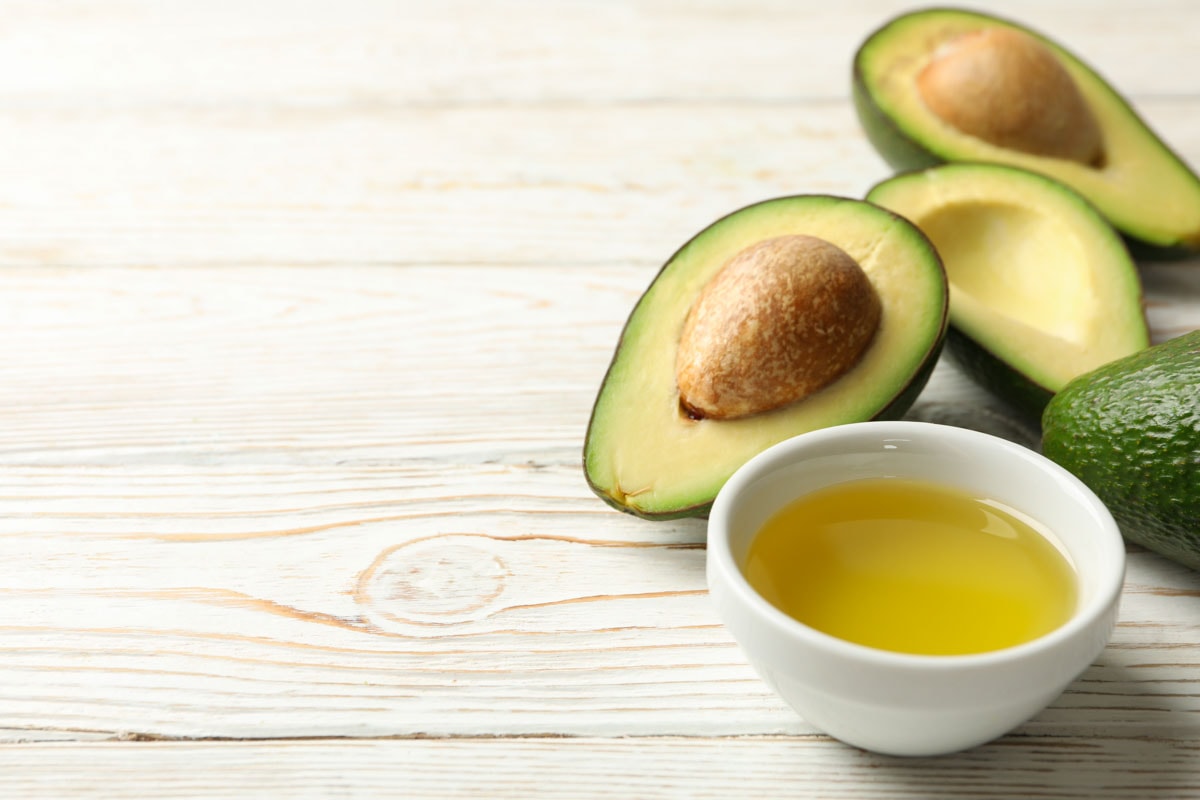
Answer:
x=440 y=580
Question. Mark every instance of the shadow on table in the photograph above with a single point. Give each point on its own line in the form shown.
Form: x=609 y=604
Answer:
x=1107 y=736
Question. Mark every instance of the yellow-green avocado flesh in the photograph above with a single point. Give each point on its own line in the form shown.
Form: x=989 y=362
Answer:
x=1144 y=189
x=645 y=456
x=1042 y=289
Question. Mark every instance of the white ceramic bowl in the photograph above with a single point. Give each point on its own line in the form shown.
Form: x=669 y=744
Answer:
x=900 y=703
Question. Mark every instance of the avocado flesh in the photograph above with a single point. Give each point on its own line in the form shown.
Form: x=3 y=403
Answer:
x=644 y=455
x=1130 y=430
x=1144 y=189
x=1041 y=287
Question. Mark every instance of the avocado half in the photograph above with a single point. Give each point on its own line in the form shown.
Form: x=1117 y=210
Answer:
x=1130 y=430
x=1144 y=189
x=1042 y=289
x=646 y=455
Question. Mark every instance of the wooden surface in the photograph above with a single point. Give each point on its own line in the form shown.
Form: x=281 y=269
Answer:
x=305 y=305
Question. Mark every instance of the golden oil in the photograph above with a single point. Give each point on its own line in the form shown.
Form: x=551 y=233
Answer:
x=912 y=566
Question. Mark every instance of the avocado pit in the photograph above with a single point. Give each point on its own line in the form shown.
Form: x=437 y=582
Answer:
x=1005 y=87
x=783 y=318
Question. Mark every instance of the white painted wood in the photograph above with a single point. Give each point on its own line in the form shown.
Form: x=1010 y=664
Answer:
x=581 y=769
x=304 y=306
x=317 y=502
x=317 y=54
x=560 y=186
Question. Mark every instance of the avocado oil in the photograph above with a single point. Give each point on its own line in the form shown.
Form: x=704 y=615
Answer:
x=913 y=567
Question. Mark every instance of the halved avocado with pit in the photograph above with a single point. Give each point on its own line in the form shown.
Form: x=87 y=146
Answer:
x=945 y=85
x=649 y=453
x=1042 y=289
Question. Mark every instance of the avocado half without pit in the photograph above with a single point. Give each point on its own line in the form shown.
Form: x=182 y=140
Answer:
x=786 y=316
x=1042 y=289
x=945 y=85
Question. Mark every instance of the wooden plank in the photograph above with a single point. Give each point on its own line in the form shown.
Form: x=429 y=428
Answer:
x=435 y=602
x=570 y=188
x=304 y=307
x=280 y=366
x=316 y=53
x=309 y=502
x=1029 y=767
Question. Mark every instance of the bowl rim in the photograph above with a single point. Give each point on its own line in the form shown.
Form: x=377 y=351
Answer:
x=721 y=565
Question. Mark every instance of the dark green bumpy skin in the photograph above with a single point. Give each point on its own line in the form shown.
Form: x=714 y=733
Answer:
x=1130 y=430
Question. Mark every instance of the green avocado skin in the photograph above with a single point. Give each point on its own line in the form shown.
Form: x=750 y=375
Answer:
x=896 y=148
x=1130 y=430
x=894 y=410
x=903 y=153
x=1018 y=392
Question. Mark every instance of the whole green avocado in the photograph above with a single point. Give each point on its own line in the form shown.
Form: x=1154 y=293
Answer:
x=1130 y=430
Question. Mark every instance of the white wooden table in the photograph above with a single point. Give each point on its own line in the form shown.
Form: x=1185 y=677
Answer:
x=304 y=306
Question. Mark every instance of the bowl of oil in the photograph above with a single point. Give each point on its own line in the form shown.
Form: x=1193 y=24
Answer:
x=913 y=588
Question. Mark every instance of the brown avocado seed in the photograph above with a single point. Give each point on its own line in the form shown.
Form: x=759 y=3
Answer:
x=782 y=319
x=1007 y=88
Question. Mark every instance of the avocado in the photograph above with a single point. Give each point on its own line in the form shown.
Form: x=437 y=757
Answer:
x=946 y=85
x=1042 y=289
x=788 y=315
x=1130 y=430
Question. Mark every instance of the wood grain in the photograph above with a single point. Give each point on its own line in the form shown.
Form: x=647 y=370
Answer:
x=304 y=309
x=1018 y=767
x=284 y=365
x=316 y=53
x=573 y=187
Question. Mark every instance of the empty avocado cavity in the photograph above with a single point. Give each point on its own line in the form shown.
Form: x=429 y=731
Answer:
x=1041 y=287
